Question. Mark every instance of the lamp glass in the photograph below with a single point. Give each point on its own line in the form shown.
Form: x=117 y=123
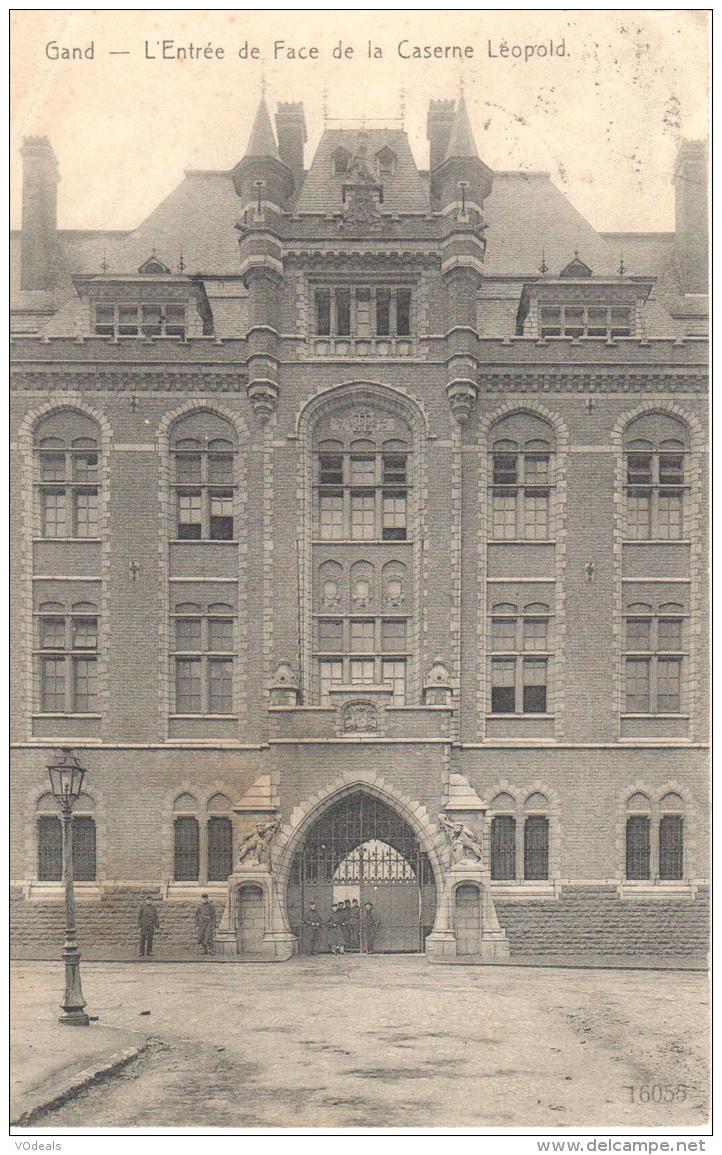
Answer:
x=66 y=780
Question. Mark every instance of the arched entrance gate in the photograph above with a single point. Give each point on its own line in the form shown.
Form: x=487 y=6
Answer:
x=361 y=849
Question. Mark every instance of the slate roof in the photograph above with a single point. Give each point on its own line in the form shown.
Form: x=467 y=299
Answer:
x=262 y=141
x=404 y=192
x=461 y=139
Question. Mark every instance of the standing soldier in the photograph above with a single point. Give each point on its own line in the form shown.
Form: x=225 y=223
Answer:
x=335 y=925
x=370 y=926
x=347 y=925
x=355 y=921
x=149 y=923
x=314 y=924
x=206 y=925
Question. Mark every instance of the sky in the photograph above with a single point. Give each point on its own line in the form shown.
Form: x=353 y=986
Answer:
x=603 y=109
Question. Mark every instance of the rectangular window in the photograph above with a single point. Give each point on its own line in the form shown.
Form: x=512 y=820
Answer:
x=84 y=687
x=331 y=516
x=363 y=470
x=128 y=320
x=52 y=633
x=86 y=514
x=85 y=633
x=503 y=633
x=536 y=469
x=175 y=321
x=394 y=516
x=638 y=516
x=52 y=689
x=393 y=636
x=330 y=635
x=220 y=469
x=503 y=848
x=535 y=634
x=52 y=466
x=188 y=634
x=85 y=467
x=105 y=320
x=362 y=672
x=220 y=685
x=323 y=312
x=638 y=847
x=403 y=312
x=536 y=847
x=151 y=320
x=221 y=517
x=596 y=322
x=363 y=516
x=383 y=312
x=220 y=635
x=330 y=674
x=535 y=686
x=620 y=322
x=220 y=849
x=504 y=515
x=670 y=515
x=362 y=637
x=639 y=634
x=188 y=686
x=551 y=322
x=637 y=686
x=189 y=516
x=503 y=676
x=536 y=516
x=504 y=469
x=639 y=468
x=54 y=514
x=668 y=685
x=394 y=469
x=330 y=469
x=669 y=634
x=393 y=674
x=188 y=468
x=671 y=847
x=186 y=850
x=573 y=322
x=343 y=312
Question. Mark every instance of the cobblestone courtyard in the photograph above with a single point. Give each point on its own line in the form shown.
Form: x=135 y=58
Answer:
x=372 y=1042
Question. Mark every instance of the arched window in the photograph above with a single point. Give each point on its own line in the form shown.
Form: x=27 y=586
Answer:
x=50 y=841
x=203 y=658
x=362 y=496
x=503 y=847
x=521 y=475
x=219 y=835
x=536 y=837
x=656 y=446
x=67 y=473
x=385 y=162
x=654 y=657
x=203 y=447
x=522 y=651
x=638 y=842
x=66 y=657
x=671 y=838
x=186 y=840
x=341 y=160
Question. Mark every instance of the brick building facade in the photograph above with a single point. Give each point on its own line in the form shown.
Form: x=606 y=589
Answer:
x=351 y=497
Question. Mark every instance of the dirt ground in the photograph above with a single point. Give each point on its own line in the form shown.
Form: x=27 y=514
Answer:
x=384 y=1042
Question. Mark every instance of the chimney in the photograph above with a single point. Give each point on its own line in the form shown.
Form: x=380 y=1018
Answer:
x=690 y=226
x=291 y=133
x=40 y=212
x=439 y=122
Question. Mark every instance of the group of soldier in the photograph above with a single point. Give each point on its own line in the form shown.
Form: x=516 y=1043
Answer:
x=149 y=923
x=348 y=928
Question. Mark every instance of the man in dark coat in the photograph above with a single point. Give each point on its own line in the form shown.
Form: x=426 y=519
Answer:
x=335 y=927
x=355 y=923
x=149 y=923
x=370 y=926
x=314 y=924
x=206 y=925
x=347 y=924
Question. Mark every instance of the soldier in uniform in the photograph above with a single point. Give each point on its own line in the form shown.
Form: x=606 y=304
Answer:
x=347 y=925
x=206 y=925
x=314 y=923
x=149 y=923
x=335 y=926
x=370 y=926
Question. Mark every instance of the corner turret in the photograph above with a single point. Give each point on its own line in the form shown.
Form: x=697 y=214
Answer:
x=262 y=180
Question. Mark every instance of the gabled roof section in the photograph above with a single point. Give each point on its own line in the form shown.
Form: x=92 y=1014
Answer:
x=262 y=141
x=404 y=190
x=461 y=141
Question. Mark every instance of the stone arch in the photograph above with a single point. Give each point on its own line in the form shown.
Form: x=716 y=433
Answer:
x=39 y=803
x=403 y=404
x=293 y=832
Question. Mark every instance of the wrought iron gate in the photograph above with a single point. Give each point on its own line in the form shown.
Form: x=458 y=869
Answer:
x=360 y=848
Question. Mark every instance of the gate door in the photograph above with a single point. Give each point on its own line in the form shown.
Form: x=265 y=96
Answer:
x=361 y=849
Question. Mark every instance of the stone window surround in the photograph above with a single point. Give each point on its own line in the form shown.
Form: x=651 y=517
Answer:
x=520 y=813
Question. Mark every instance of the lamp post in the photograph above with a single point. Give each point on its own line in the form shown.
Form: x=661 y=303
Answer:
x=66 y=781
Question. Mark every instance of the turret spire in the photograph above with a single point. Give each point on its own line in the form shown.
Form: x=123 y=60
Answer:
x=262 y=141
x=461 y=141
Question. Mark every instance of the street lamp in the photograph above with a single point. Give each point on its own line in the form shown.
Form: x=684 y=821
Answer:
x=66 y=781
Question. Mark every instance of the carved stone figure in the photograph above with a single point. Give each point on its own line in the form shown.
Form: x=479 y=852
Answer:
x=360 y=718
x=463 y=843
x=256 y=845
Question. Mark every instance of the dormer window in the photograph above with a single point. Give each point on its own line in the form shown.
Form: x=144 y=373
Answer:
x=341 y=162
x=580 y=321
x=132 y=320
x=385 y=162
